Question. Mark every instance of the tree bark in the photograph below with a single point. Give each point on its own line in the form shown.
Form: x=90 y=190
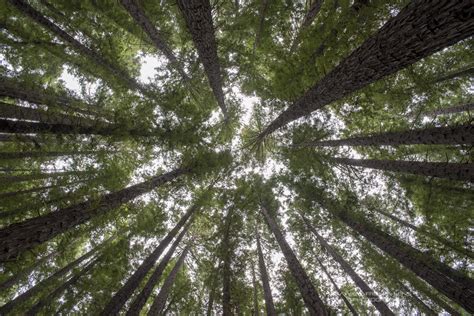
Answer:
x=453 y=284
x=8 y=180
x=125 y=292
x=463 y=134
x=14 y=279
x=22 y=236
x=160 y=300
x=20 y=299
x=361 y=284
x=419 y=30
x=48 y=299
x=137 y=13
x=453 y=171
x=311 y=298
x=198 y=18
x=307 y=21
x=141 y=299
x=450 y=110
x=96 y=57
x=267 y=291
x=226 y=270
x=338 y=290
x=256 y=309
x=210 y=303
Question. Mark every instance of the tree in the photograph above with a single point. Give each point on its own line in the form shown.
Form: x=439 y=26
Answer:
x=383 y=54
x=226 y=270
x=449 y=110
x=267 y=291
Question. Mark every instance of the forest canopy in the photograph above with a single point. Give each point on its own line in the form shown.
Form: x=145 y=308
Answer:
x=247 y=157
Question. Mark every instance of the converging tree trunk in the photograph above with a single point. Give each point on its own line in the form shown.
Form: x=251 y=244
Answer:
x=363 y=286
x=137 y=13
x=416 y=300
x=450 y=110
x=160 y=300
x=311 y=298
x=96 y=57
x=453 y=171
x=198 y=18
x=8 y=180
x=261 y=23
x=141 y=298
x=402 y=41
x=226 y=269
x=41 y=154
x=267 y=291
x=463 y=134
x=39 y=189
x=22 y=236
x=256 y=308
x=308 y=19
x=453 y=284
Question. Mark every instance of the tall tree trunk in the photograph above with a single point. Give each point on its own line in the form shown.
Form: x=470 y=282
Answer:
x=436 y=237
x=440 y=302
x=20 y=299
x=361 y=284
x=14 y=279
x=210 y=303
x=8 y=180
x=94 y=56
x=453 y=171
x=19 y=237
x=463 y=72
x=261 y=23
x=338 y=290
x=267 y=291
x=137 y=13
x=141 y=298
x=307 y=21
x=256 y=308
x=39 y=154
x=48 y=299
x=160 y=300
x=416 y=300
x=125 y=292
x=455 y=285
x=469 y=107
x=198 y=18
x=402 y=41
x=24 y=209
x=226 y=269
x=39 y=189
x=463 y=134
x=311 y=298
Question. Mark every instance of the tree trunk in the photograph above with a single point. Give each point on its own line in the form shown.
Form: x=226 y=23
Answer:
x=48 y=299
x=96 y=57
x=160 y=300
x=359 y=4
x=455 y=285
x=141 y=299
x=361 y=284
x=8 y=180
x=198 y=18
x=18 y=237
x=20 y=299
x=307 y=21
x=262 y=13
x=24 y=209
x=14 y=279
x=40 y=154
x=267 y=291
x=226 y=270
x=125 y=292
x=436 y=237
x=137 y=13
x=464 y=72
x=416 y=300
x=454 y=109
x=453 y=171
x=338 y=290
x=39 y=189
x=416 y=32
x=311 y=298
x=210 y=303
x=463 y=134
x=256 y=309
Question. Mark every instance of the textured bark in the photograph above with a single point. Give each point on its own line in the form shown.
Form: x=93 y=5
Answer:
x=338 y=290
x=20 y=299
x=453 y=171
x=26 y=113
x=420 y=29
x=94 y=56
x=436 y=237
x=48 y=299
x=226 y=270
x=160 y=300
x=39 y=176
x=14 y=279
x=463 y=134
x=198 y=18
x=416 y=300
x=267 y=291
x=22 y=127
x=38 y=154
x=453 y=284
x=137 y=13
x=311 y=298
x=454 y=109
x=22 y=236
x=256 y=309
x=141 y=298
x=39 y=189
x=361 y=284
x=125 y=292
